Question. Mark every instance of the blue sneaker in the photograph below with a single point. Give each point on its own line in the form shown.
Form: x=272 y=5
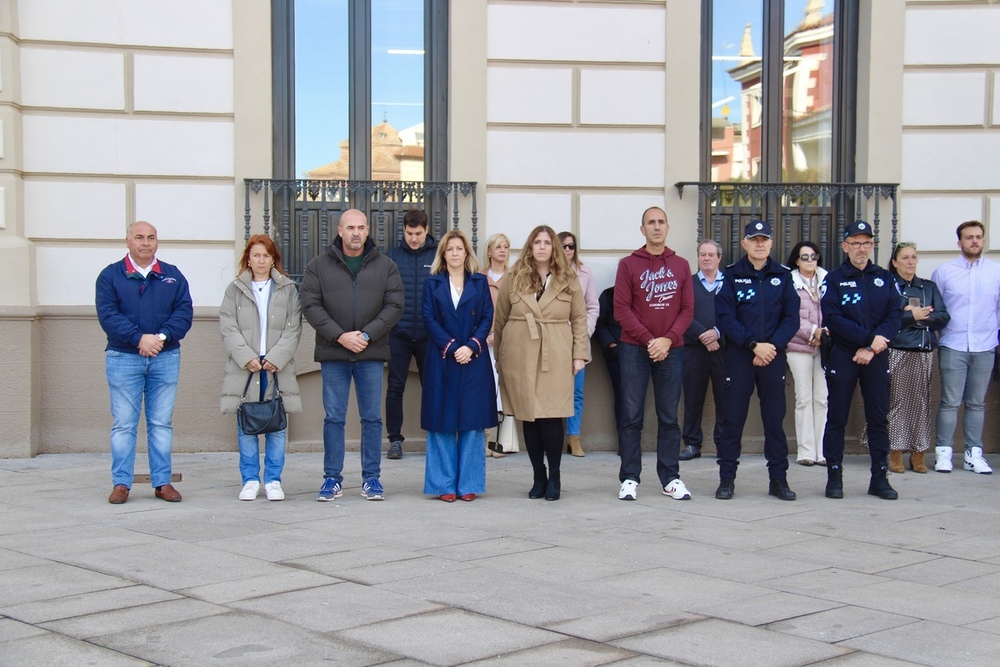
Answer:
x=330 y=490
x=372 y=489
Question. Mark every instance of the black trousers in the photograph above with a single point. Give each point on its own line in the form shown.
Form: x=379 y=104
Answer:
x=401 y=349
x=543 y=438
x=700 y=366
x=842 y=376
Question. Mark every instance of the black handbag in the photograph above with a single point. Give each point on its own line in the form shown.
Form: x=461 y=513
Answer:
x=260 y=417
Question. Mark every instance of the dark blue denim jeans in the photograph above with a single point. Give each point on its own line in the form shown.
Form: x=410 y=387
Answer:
x=337 y=376
x=637 y=369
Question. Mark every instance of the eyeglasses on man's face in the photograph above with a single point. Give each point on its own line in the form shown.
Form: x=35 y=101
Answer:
x=813 y=257
x=858 y=245
x=569 y=246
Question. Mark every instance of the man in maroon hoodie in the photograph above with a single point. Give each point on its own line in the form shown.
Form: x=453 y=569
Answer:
x=654 y=303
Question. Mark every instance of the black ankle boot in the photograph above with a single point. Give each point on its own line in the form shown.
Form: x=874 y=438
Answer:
x=835 y=481
x=726 y=490
x=779 y=489
x=552 y=489
x=538 y=488
x=879 y=486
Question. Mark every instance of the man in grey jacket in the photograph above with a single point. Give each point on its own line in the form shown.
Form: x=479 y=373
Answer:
x=352 y=296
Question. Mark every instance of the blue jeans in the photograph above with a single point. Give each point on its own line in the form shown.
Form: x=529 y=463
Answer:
x=133 y=379
x=455 y=463
x=965 y=377
x=573 y=423
x=274 y=455
x=337 y=377
x=637 y=369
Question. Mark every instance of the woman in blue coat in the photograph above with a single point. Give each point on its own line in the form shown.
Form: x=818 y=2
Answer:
x=459 y=400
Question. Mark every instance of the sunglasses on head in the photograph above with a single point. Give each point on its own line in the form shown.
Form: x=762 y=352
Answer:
x=569 y=246
x=906 y=244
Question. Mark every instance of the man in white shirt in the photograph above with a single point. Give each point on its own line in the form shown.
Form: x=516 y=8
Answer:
x=970 y=286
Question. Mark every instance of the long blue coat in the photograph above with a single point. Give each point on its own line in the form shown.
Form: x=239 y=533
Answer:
x=457 y=397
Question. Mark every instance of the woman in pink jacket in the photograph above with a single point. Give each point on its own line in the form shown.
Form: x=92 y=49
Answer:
x=803 y=354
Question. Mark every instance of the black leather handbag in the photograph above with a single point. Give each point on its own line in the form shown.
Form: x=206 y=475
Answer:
x=260 y=417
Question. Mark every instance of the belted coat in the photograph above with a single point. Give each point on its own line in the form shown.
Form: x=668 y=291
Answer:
x=536 y=342
x=457 y=397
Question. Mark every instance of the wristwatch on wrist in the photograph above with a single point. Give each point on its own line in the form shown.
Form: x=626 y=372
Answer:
x=753 y=344
x=364 y=334
x=162 y=337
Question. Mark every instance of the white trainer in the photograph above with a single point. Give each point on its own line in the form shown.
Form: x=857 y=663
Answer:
x=942 y=459
x=273 y=490
x=250 y=490
x=629 y=490
x=677 y=490
x=975 y=461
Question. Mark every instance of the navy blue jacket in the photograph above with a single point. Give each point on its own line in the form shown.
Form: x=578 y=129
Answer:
x=414 y=268
x=757 y=306
x=457 y=397
x=859 y=305
x=129 y=305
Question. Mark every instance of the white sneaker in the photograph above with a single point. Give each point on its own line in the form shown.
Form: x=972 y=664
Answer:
x=250 y=490
x=273 y=490
x=942 y=459
x=677 y=490
x=629 y=490
x=975 y=462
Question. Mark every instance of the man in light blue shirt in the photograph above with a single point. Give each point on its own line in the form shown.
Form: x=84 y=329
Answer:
x=970 y=286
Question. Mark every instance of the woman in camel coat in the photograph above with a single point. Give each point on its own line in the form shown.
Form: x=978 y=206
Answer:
x=540 y=332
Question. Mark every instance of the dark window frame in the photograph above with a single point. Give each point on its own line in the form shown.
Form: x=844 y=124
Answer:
x=436 y=21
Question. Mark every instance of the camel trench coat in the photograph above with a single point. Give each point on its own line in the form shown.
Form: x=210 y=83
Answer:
x=536 y=343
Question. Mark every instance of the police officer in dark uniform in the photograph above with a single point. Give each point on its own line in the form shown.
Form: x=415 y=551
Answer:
x=757 y=311
x=863 y=311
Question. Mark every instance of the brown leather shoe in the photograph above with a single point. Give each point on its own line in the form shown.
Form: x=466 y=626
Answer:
x=169 y=493
x=119 y=494
x=917 y=462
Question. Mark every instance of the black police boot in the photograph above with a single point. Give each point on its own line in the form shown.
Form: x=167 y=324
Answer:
x=835 y=481
x=690 y=452
x=879 y=486
x=726 y=490
x=541 y=483
x=779 y=489
x=553 y=488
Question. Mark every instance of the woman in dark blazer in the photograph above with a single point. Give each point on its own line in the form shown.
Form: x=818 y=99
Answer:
x=459 y=400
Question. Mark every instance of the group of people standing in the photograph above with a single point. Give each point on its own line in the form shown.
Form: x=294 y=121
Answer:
x=516 y=339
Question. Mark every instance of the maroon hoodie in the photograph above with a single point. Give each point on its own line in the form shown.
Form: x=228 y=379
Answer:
x=653 y=297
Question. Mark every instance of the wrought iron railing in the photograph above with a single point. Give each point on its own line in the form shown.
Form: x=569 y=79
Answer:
x=302 y=215
x=797 y=211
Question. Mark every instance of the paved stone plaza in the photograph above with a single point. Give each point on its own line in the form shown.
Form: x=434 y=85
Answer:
x=588 y=580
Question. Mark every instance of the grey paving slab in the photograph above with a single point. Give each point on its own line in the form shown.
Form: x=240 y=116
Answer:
x=336 y=607
x=53 y=580
x=57 y=543
x=948 y=647
x=241 y=639
x=87 y=603
x=984 y=547
x=133 y=618
x=851 y=554
x=450 y=637
x=55 y=649
x=647 y=661
x=947 y=571
x=944 y=605
x=699 y=643
x=481 y=549
x=567 y=652
x=862 y=659
x=840 y=623
x=12 y=629
x=331 y=564
x=681 y=590
x=399 y=570
x=284 y=581
x=764 y=608
x=818 y=582
x=275 y=544
x=11 y=560
x=628 y=617
x=991 y=625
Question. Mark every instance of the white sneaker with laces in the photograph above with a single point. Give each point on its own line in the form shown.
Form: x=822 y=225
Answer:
x=273 y=490
x=250 y=490
x=629 y=490
x=942 y=459
x=677 y=490
x=975 y=461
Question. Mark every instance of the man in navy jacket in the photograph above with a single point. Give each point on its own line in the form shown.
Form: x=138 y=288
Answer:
x=408 y=339
x=144 y=307
x=863 y=311
x=757 y=311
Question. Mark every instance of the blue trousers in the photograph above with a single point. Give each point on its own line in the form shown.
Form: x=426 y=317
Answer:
x=337 y=376
x=455 y=463
x=741 y=379
x=573 y=423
